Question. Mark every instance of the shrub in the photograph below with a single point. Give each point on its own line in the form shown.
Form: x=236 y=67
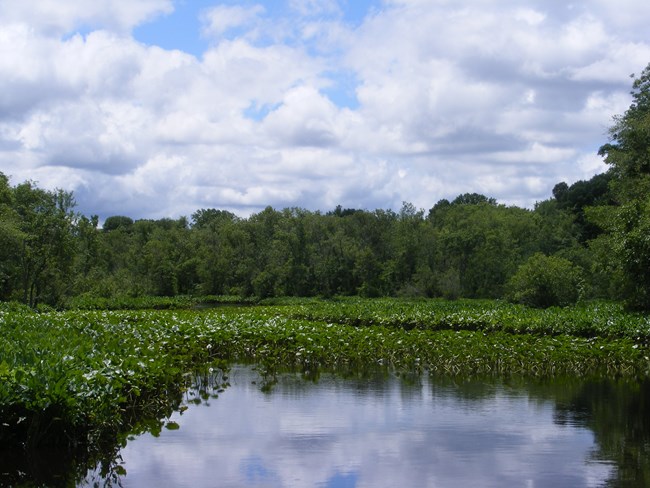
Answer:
x=545 y=281
x=14 y=307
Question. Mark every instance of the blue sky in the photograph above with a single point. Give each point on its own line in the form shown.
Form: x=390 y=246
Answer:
x=157 y=108
x=182 y=29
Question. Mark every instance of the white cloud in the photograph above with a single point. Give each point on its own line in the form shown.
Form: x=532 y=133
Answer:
x=305 y=118
x=530 y=16
x=262 y=75
x=503 y=98
x=315 y=7
x=629 y=17
x=220 y=19
x=54 y=17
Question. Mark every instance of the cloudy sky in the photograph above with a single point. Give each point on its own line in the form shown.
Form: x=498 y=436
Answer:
x=156 y=108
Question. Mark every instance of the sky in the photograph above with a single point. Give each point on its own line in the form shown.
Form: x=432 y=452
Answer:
x=158 y=108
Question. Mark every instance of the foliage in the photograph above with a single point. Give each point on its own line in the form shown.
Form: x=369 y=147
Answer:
x=117 y=222
x=180 y=302
x=473 y=199
x=628 y=154
x=77 y=377
x=546 y=281
x=467 y=248
x=581 y=195
x=587 y=320
x=37 y=241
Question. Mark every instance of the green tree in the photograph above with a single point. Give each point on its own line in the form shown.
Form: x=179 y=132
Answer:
x=556 y=228
x=213 y=256
x=373 y=239
x=46 y=247
x=86 y=259
x=479 y=246
x=211 y=218
x=11 y=237
x=628 y=152
x=331 y=255
x=117 y=222
x=628 y=224
x=580 y=195
x=473 y=199
x=545 y=281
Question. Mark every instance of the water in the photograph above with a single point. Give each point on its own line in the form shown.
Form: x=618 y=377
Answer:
x=384 y=431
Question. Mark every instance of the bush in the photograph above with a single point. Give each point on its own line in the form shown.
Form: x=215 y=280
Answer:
x=14 y=307
x=545 y=281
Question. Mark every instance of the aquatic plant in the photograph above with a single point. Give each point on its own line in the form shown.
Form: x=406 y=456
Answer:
x=78 y=377
x=591 y=319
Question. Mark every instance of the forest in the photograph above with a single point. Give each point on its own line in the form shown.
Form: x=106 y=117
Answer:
x=590 y=239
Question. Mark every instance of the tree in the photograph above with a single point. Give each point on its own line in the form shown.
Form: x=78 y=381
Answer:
x=10 y=239
x=86 y=252
x=545 y=281
x=473 y=199
x=628 y=152
x=480 y=246
x=46 y=249
x=628 y=223
x=580 y=195
x=211 y=217
x=115 y=222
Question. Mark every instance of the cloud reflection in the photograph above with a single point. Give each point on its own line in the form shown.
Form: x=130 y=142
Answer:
x=365 y=433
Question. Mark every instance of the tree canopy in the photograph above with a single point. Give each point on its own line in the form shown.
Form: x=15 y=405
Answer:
x=627 y=223
x=467 y=248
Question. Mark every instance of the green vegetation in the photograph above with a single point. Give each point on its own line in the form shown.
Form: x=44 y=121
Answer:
x=77 y=378
x=471 y=248
x=546 y=281
x=121 y=302
x=627 y=222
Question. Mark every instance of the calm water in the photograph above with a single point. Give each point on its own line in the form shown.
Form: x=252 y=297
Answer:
x=384 y=431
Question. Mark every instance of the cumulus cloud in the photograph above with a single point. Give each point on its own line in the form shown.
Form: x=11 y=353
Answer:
x=291 y=105
x=53 y=17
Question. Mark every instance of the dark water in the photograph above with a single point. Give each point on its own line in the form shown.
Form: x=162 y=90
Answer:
x=383 y=431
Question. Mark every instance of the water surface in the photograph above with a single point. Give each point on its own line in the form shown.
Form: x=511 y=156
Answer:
x=383 y=431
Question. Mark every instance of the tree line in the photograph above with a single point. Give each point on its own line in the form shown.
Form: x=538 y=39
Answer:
x=590 y=239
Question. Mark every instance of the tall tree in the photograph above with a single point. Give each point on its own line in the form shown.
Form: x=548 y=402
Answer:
x=11 y=238
x=628 y=154
x=46 y=249
x=480 y=245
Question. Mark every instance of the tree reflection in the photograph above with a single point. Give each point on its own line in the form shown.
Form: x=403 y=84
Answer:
x=616 y=411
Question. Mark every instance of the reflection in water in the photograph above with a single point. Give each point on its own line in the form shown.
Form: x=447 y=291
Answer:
x=380 y=432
